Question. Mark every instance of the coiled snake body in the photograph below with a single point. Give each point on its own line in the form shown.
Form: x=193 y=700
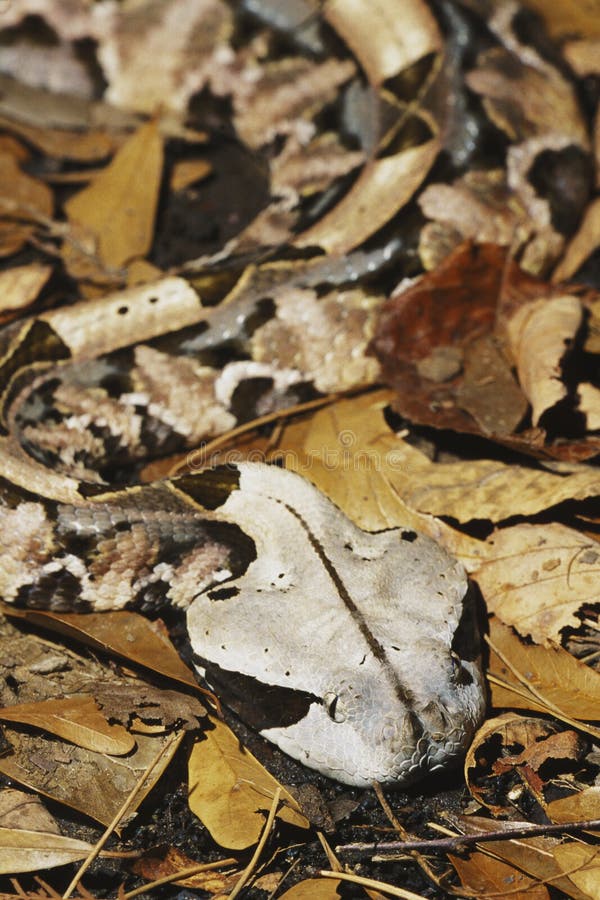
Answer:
x=344 y=648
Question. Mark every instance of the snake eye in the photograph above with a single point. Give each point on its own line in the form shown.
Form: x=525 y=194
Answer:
x=331 y=704
x=459 y=673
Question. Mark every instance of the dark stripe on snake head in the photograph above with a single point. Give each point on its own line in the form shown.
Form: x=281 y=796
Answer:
x=260 y=705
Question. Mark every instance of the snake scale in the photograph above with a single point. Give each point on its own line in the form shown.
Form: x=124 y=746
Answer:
x=347 y=649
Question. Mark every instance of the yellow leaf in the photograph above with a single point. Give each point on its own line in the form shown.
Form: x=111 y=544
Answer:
x=119 y=205
x=537 y=577
x=231 y=792
x=314 y=889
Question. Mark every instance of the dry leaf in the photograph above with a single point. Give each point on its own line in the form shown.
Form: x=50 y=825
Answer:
x=158 y=864
x=20 y=285
x=119 y=206
x=386 y=36
x=231 y=792
x=92 y=783
x=581 y=246
x=581 y=865
x=21 y=810
x=75 y=719
x=485 y=876
x=540 y=335
x=537 y=577
x=576 y=807
x=535 y=856
x=87 y=146
x=127 y=634
x=564 y=18
x=546 y=679
x=382 y=189
x=502 y=763
x=34 y=851
x=314 y=889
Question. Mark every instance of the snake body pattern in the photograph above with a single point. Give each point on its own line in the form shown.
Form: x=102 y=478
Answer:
x=352 y=651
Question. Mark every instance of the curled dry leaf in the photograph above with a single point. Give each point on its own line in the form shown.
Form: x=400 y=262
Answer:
x=545 y=679
x=480 y=292
x=540 y=336
x=382 y=189
x=75 y=719
x=537 y=577
x=23 y=199
x=231 y=792
x=564 y=18
x=386 y=36
x=170 y=862
x=503 y=766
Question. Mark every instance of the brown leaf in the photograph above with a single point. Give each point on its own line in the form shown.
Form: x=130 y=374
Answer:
x=582 y=244
x=171 y=862
x=478 y=289
x=75 y=719
x=545 y=679
x=564 y=18
x=483 y=875
x=501 y=763
x=119 y=206
x=535 y=856
x=82 y=146
x=127 y=634
x=536 y=578
x=576 y=807
x=231 y=792
x=581 y=865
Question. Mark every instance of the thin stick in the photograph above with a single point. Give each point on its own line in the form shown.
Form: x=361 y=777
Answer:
x=178 y=876
x=174 y=738
x=373 y=883
x=524 y=830
x=259 y=847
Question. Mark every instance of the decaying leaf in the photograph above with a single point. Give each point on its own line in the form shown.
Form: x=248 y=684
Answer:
x=537 y=577
x=503 y=766
x=231 y=792
x=75 y=719
x=577 y=807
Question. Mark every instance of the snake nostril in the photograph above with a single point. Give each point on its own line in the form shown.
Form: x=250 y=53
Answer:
x=331 y=702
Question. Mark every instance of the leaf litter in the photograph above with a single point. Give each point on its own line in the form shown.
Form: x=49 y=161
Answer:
x=511 y=364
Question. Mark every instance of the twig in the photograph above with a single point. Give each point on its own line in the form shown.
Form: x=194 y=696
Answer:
x=524 y=830
x=179 y=876
x=259 y=847
x=176 y=738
